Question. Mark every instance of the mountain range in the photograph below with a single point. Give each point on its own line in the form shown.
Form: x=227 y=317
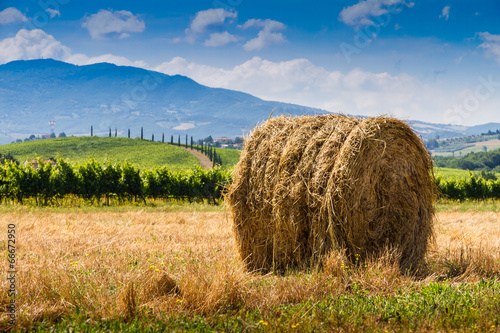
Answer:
x=104 y=96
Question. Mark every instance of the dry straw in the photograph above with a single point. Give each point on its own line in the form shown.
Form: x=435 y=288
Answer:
x=308 y=185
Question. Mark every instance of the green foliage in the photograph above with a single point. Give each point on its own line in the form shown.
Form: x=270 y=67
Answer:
x=7 y=157
x=486 y=161
x=476 y=188
x=92 y=181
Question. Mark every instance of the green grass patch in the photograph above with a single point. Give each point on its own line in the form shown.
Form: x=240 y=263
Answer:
x=468 y=206
x=447 y=173
x=432 y=307
x=143 y=153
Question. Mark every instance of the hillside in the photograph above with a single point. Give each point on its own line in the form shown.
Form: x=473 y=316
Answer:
x=145 y=154
x=34 y=92
x=461 y=146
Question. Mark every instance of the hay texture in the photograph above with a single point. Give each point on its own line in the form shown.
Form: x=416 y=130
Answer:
x=307 y=185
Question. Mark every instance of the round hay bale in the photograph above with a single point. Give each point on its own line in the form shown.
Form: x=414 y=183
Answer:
x=310 y=184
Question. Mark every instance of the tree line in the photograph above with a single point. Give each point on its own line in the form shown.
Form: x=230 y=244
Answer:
x=480 y=161
x=96 y=182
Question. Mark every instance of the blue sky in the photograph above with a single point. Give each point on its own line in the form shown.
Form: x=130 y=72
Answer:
x=431 y=60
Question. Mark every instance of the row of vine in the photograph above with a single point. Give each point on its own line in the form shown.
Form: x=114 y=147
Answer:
x=94 y=181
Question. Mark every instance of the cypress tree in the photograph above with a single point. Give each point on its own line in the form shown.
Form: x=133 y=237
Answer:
x=110 y=132
x=91 y=131
x=142 y=133
x=162 y=137
x=152 y=137
x=179 y=141
x=186 y=140
x=129 y=133
x=191 y=143
x=171 y=139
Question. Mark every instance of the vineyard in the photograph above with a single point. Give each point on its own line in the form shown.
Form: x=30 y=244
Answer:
x=471 y=188
x=122 y=182
x=93 y=181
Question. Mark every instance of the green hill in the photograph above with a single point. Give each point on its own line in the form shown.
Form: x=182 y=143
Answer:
x=143 y=153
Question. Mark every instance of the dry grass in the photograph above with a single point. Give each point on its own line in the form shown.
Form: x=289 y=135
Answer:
x=124 y=265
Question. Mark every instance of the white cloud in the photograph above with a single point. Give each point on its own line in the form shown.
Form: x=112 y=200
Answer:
x=363 y=12
x=300 y=81
x=34 y=44
x=11 y=15
x=220 y=39
x=266 y=24
x=266 y=35
x=491 y=43
x=106 y=23
x=209 y=17
x=445 y=13
x=81 y=59
x=53 y=12
x=202 y=21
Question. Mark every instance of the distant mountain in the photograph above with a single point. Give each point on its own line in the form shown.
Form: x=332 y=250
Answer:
x=34 y=92
x=430 y=131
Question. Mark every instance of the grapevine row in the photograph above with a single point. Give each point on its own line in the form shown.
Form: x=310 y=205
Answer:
x=474 y=188
x=122 y=181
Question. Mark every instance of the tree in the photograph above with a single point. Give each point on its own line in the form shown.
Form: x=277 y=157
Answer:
x=19 y=140
x=162 y=137
x=91 y=131
x=171 y=139
x=152 y=137
x=110 y=132
x=52 y=135
x=142 y=133
x=62 y=135
x=32 y=137
x=432 y=144
x=129 y=133
x=116 y=132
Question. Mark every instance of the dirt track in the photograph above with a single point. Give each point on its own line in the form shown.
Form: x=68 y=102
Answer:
x=204 y=160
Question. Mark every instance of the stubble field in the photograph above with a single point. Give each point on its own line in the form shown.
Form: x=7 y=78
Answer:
x=168 y=268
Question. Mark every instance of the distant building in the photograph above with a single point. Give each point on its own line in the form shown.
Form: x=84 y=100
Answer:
x=224 y=140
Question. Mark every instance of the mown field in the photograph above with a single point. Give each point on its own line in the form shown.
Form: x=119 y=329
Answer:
x=143 y=153
x=174 y=268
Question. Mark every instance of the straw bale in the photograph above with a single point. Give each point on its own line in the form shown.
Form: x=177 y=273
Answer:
x=310 y=184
